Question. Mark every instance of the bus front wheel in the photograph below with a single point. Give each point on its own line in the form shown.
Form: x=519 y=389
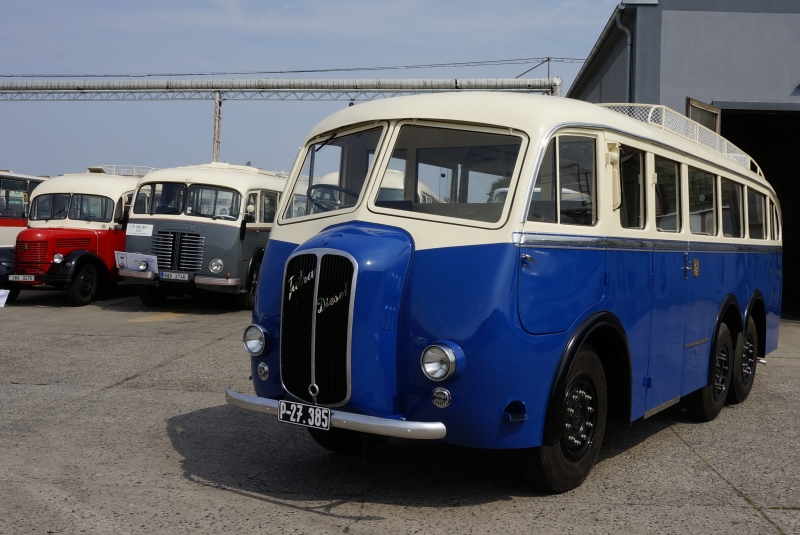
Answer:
x=83 y=288
x=565 y=464
x=13 y=293
x=150 y=296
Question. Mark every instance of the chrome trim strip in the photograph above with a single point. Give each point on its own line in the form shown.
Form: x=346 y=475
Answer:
x=659 y=408
x=697 y=343
x=319 y=252
x=217 y=281
x=535 y=239
x=600 y=126
x=348 y=420
x=136 y=274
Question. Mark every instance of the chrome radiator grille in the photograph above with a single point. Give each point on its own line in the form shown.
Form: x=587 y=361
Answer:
x=178 y=250
x=315 y=327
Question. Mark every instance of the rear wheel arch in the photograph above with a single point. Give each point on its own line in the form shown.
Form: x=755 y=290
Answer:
x=605 y=333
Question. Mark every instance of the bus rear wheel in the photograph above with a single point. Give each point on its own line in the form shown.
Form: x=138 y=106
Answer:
x=565 y=464
x=83 y=288
x=706 y=404
x=246 y=301
x=744 y=365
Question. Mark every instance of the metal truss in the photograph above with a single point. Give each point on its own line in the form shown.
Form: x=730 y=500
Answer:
x=263 y=89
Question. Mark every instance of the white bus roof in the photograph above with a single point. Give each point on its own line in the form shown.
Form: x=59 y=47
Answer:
x=5 y=173
x=240 y=177
x=535 y=115
x=88 y=183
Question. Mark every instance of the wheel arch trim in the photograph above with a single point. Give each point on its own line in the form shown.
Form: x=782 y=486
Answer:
x=552 y=422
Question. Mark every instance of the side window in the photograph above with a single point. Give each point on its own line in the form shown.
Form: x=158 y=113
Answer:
x=576 y=162
x=143 y=196
x=702 y=211
x=631 y=168
x=731 y=209
x=251 y=208
x=270 y=200
x=755 y=214
x=668 y=194
x=776 y=223
x=543 y=201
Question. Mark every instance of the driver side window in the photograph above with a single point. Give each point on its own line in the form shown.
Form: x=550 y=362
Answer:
x=251 y=208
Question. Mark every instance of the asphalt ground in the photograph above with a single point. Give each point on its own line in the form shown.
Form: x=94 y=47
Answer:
x=113 y=420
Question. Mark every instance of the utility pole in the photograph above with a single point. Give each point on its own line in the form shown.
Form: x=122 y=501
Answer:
x=217 y=124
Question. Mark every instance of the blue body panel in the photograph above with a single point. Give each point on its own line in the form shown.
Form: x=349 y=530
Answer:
x=488 y=301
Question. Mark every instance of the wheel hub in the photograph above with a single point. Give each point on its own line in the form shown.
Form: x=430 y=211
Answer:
x=578 y=419
x=748 y=358
x=721 y=364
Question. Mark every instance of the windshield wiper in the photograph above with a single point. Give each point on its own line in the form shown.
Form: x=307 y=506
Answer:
x=54 y=215
x=325 y=142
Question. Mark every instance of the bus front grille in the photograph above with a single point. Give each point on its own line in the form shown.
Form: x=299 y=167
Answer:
x=315 y=327
x=30 y=251
x=178 y=250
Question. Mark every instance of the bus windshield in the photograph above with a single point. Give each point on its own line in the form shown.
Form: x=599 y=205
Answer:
x=50 y=206
x=160 y=198
x=91 y=208
x=213 y=202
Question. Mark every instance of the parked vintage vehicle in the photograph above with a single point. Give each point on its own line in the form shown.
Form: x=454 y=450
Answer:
x=635 y=262
x=75 y=224
x=200 y=228
x=15 y=192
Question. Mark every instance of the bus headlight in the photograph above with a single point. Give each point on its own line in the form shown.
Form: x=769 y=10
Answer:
x=256 y=339
x=216 y=265
x=438 y=362
x=58 y=258
x=143 y=265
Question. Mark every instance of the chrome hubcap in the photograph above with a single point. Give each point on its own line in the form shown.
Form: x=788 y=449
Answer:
x=748 y=359
x=721 y=365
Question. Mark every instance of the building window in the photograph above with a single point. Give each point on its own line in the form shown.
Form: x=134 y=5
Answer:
x=705 y=114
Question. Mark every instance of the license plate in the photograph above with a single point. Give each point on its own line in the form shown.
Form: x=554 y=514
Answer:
x=25 y=278
x=305 y=415
x=173 y=276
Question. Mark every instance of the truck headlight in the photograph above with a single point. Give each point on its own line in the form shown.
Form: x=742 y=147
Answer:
x=256 y=339
x=438 y=362
x=216 y=265
x=58 y=258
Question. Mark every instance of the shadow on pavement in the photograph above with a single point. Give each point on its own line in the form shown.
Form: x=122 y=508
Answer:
x=252 y=453
x=125 y=299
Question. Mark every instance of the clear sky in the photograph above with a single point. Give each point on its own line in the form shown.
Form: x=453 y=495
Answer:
x=150 y=36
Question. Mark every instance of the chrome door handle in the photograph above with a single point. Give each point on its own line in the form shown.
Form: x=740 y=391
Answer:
x=528 y=258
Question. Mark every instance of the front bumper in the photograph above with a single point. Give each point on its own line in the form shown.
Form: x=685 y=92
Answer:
x=348 y=420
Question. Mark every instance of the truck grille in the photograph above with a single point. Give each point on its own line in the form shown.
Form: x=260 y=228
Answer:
x=315 y=327
x=178 y=250
x=29 y=251
x=73 y=243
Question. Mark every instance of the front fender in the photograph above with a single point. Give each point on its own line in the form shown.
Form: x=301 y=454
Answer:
x=75 y=259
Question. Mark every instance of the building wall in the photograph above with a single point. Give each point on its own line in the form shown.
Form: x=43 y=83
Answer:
x=724 y=56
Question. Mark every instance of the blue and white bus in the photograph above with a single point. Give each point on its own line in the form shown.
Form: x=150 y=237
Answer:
x=634 y=263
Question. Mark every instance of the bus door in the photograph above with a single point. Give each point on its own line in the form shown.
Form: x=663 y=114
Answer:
x=668 y=319
x=251 y=223
x=562 y=265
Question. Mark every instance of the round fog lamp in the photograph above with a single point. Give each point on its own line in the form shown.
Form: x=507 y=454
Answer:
x=143 y=265
x=255 y=340
x=438 y=362
x=58 y=258
x=263 y=371
x=216 y=265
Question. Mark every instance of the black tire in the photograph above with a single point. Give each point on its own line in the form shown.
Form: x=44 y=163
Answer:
x=150 y=296
x=13 y=293
x=744 y=364
x=338 y=440
x=705 y=404
x=564 y=465
x=83 y=288
x=246 y=301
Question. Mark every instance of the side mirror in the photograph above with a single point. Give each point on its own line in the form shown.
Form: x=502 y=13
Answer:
x=251 y=209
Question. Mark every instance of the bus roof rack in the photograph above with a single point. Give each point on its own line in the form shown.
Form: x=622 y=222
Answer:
x=668 y=119
x=121 y=170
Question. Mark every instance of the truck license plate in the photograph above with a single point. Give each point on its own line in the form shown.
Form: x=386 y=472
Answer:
x=24 y=278
x=174 y=276
x=305 y=415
